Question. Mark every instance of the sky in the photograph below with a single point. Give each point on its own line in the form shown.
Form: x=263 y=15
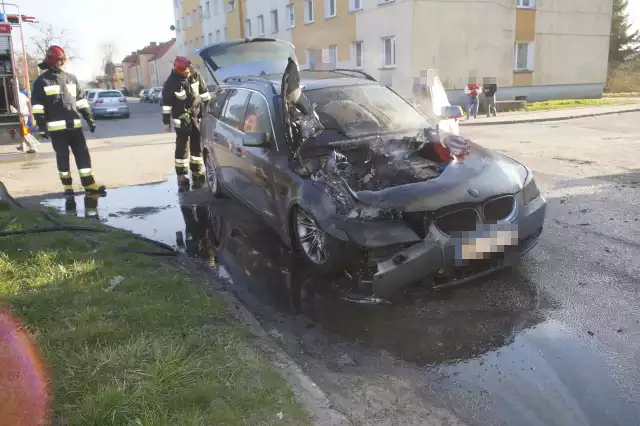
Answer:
x=128 y=24
x=634 y=13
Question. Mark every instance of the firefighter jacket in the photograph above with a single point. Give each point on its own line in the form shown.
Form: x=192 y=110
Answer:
x=57 y=102
x=183 y=99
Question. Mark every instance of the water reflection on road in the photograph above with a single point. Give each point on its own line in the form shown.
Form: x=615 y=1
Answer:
x=489 y=352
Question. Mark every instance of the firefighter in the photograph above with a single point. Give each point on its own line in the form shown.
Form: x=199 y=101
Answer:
x=57 y=104
x=183 y=97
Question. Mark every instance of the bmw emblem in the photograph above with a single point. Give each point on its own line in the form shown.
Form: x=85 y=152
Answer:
x=473 y=192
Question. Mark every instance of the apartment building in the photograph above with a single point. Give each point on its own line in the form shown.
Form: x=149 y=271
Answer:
x=536 y=49
x=150 y=66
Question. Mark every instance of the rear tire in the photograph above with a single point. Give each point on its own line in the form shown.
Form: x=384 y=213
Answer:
x=319 y=250
x=213 y=181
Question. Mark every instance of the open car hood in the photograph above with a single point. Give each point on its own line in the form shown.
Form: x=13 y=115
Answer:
x=482 y=173
x=248 y=57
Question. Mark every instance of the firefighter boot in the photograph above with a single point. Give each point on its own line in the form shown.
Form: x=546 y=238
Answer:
x=70 y=207
x=183 y=183
x=96 y=189
x=197 y=172
x=91 y=206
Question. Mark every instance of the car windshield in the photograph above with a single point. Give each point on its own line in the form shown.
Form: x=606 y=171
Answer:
x=109 y=95
x=364 y=109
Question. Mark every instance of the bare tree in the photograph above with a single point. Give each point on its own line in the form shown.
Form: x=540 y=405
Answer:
x=50 y=36
x=32 y=68
x=109 y=51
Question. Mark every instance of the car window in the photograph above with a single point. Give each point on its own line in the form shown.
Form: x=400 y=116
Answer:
x=109 y=95
x=91 y=95
x=217 y=103
x=235 y=108
x=257 y=118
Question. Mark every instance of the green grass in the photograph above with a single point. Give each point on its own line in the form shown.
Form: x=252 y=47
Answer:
x=622 y=95
x=574 y=103
x=154 y=351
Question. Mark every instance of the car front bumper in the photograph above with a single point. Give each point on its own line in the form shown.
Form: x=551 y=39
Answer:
x=118 y=111
x=439 y=254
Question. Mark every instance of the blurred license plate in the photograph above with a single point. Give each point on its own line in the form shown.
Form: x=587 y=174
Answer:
x=478 y=248
x=112 y=109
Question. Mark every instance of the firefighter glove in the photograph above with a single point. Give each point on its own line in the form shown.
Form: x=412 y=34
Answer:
x=92 y=126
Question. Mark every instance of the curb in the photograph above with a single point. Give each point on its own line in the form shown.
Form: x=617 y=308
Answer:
x=540 y=120
x=304 y=388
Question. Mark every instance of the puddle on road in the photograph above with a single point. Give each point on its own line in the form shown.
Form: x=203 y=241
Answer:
x=487 y=351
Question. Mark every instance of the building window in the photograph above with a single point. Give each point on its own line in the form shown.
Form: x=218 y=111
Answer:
x=333 y=56
x=207 y=10
x=260 y=25
x=210 y=38
x=308 y=11
x=389 y=52
x=274 y=22
x=385 y=1
x=526 y=4
x=291 y=16
x=247 y=28
x=225 y=34
x=216 y=10
x=329 y=8
x=200 y=13
x=355 y=5
x=357 y=54
x=231 y=5
x=310 y=60
x=217 y=35
x=188 y=20
x=523 y=57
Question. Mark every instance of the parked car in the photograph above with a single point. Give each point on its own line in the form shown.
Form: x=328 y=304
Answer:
x=90 y=95
x=154 y=93
x=110 y=103
x=358 y=180
x=144 y=95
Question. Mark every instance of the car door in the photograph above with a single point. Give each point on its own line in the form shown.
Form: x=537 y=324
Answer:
x=258 y=169
x=228 y=149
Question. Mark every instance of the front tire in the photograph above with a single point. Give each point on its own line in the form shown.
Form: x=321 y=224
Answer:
x=213 y=182
x=319 y=249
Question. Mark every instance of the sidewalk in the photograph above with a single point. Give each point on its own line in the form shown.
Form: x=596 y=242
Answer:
x=554 y=115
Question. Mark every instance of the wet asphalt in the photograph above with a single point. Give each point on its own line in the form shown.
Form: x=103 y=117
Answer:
x=555 y=341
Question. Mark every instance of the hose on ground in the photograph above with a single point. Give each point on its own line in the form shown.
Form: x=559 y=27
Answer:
x=74 y=230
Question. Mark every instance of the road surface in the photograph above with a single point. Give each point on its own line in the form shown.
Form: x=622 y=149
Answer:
x=555 y=341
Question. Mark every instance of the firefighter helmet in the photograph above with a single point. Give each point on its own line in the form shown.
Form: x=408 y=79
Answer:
x=54 y=54
x=181 y=64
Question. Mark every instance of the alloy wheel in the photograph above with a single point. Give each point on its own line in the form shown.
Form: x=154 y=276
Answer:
x=311 y=238
x=212 y=177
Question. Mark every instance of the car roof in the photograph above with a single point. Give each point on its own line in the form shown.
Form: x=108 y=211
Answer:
x=309 y=80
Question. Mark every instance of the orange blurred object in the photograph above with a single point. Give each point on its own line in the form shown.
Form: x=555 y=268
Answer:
x=24 y=395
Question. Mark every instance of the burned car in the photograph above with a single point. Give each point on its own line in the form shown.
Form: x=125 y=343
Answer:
x=355 y=178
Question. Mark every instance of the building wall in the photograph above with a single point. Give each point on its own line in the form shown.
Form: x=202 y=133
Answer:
x=161 y=67
x=254 y=8
x=193 y=34
x=214 y=19
x=179 y=24
x=572 y=41
x=126 y=71
x=235 y=20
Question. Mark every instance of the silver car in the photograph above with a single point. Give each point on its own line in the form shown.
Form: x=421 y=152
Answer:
x=109 y=103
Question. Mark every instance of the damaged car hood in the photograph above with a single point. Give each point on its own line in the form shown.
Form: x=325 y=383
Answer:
x=480 y=175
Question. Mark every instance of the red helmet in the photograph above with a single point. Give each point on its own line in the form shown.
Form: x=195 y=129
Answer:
x=181 y=64
x=54 y=54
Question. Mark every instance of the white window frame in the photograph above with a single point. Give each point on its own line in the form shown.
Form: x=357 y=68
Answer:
x=216 y=8
x=385 y=1
x=291 y=16
x=520 y=4
x=393 y=52
x=231 y=6
x=327 y=9
x=210 y=40
x=530 y=56
x=352 y=5
x=309 y=54
x=308 y=10
x=275 y=25
x=260 y=25
x=333 y=47
x=247 y=28
x=188 y=21
x=354 y=54
x=218 y=36
x=207 y=9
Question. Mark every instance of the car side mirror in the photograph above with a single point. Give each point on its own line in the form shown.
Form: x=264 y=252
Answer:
x=451 y=112
x=256 y=139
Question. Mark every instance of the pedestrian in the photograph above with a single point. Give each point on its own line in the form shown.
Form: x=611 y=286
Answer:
x=184 y=95
x=58 y=103
x=490 y=88
x=28 y=143
x=472 y=90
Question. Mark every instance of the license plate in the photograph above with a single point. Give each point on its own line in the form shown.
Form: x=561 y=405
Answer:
x=112 y=109
x=480 y=247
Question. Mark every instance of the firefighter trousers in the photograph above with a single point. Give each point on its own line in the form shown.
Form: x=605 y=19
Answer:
x=62 y=141
x=188 y=142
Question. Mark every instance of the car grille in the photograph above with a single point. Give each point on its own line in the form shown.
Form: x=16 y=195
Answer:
x=459 y=221
x=498 y=209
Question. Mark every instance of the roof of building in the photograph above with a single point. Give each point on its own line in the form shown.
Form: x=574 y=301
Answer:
x=163 y=48
x=155 y=49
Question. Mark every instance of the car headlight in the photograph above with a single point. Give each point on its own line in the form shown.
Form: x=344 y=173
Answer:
x=371 y=212
x=530 y=191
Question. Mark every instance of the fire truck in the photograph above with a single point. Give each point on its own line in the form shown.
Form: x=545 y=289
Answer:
x=10 y=124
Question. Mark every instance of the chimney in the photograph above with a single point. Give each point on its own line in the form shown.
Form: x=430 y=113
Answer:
x=133 y=53
x=153 y=44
